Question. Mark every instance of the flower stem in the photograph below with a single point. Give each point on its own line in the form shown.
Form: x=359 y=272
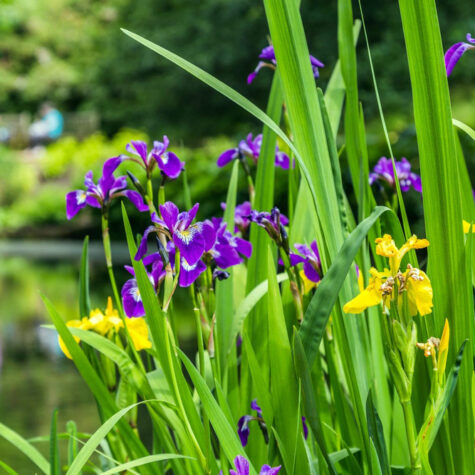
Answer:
x=108 y=254
x=411 y=436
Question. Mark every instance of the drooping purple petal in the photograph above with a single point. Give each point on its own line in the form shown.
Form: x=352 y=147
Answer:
x=243 y=429
x=190 y=242
x=294 y=259
x=310 y=272
x=189 y=273
x=282 y=160
x=170 y=165
x=225 y=256
x=131 y=299
x=136 y=198
x=243 y=247
x=169 y=212
x=208 y=232
x=416 y=182
x=75 y=201
x=455 y=52
x=227 y=157
x=142 y=250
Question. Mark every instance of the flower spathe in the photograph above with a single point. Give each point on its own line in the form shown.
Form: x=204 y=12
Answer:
x=101 y=194
x=456 y=51
x=383 y=171
x=268 y=55
x=383 y=286
x=105 y=322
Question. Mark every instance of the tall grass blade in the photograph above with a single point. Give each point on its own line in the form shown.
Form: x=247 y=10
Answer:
x=227 y=435
x=224 y=289
x=96 y=385
x=84 y=300
x=442 y=207
x=90 y=446
x=25 y=447
x=284 y=387
x=124 y=467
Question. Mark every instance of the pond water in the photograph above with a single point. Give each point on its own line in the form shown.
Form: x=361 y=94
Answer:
x=35 y=378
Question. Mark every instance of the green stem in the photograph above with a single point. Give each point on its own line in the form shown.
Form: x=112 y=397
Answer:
x=149 y=196
x=108 y=254
x=411 y=436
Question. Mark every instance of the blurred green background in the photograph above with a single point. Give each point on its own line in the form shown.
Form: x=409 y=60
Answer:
x=111 y=90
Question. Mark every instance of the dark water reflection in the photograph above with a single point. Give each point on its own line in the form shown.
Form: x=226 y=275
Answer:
x=35 y=378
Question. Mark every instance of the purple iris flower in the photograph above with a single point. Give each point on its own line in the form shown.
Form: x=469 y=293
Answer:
x=383 y=170
x=168 y=163
x=226 y=249
x=187 y=237
x=310 y=259
x=101 y=194
x=241 y=216
x=455 y=52
x=268 y=55
x=251 y=147
x=242 y=468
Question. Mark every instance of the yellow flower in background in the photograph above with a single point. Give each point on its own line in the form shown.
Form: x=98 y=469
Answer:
x=103 y=323
x=138 y=331
x=467 y=226
x=387 y=247
x=82 y=324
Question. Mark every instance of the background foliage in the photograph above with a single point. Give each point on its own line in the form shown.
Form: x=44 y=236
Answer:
x=84 y=61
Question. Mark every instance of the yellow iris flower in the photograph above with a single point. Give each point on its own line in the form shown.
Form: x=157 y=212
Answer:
x=103 y=323
x=387 y=247
x=381 y=284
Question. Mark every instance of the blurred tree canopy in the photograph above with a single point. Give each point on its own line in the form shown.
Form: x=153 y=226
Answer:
x=73 y=52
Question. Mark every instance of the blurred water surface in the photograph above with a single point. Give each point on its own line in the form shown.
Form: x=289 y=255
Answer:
x=35 y=378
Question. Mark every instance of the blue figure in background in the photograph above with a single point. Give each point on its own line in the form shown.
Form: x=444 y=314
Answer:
x=49 y=127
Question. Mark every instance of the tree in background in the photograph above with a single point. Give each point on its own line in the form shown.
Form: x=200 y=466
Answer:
x=73 y=52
